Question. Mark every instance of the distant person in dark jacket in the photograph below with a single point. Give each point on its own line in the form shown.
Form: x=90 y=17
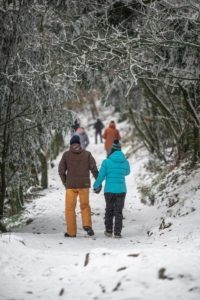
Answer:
x=113 y=170
x=98 y=126
x=74 y=170
x=75 y=125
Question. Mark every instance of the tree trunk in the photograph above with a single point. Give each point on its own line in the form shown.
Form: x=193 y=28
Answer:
x=16 y=200
x=44 y=170
x=93 y=107
x=2 y=227
x=196 y=145
x=56 y=145
x=2 y=189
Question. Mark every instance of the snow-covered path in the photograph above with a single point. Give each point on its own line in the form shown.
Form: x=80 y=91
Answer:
x=37 y=262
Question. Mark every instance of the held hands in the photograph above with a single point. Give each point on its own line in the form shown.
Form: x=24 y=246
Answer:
x=98 y=190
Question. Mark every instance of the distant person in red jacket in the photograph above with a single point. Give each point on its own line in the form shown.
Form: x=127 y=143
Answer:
x=110 y=134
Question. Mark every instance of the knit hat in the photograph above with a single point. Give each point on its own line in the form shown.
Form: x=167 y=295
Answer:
x=116 y=145
x=75 y=140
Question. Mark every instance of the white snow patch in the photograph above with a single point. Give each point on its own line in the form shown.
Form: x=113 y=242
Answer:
x=37 y=262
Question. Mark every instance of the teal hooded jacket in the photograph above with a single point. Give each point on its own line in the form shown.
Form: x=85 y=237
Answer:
x=113 y=170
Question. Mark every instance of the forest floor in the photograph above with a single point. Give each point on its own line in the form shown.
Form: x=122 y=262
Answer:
x=148 y=263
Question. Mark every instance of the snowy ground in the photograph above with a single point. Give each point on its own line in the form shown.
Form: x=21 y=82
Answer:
x=37 y=262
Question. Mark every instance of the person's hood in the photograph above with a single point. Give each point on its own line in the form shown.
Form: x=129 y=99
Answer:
x=117 y=156
x=76 y=148
x=112 y=125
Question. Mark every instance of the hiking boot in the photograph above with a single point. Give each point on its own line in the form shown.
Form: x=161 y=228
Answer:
x=67 y=235
x=108 y=233
x=117 y=235
x=89 y=230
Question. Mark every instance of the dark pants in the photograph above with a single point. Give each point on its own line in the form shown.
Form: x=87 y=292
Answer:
x=96 y=135
x=114 y=207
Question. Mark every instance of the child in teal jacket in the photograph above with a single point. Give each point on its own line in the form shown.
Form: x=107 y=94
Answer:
x=113 y=170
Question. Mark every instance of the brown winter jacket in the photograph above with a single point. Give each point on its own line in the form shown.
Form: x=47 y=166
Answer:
x=111 y=134
x=75 y=166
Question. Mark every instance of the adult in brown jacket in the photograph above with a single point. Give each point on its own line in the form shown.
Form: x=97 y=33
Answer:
x=74 y=170
x=110 y=134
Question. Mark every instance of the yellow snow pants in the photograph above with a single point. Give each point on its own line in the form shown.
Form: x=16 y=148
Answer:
x=70 y=209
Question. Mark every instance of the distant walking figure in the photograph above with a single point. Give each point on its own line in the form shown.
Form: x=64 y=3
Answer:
x=110 y=134
x=84 y=139
x=75 y=125
x=98 y=126
x=74 y=170
x=113 y=170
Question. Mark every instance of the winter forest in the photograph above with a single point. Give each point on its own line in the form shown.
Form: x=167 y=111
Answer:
x=133 y=61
